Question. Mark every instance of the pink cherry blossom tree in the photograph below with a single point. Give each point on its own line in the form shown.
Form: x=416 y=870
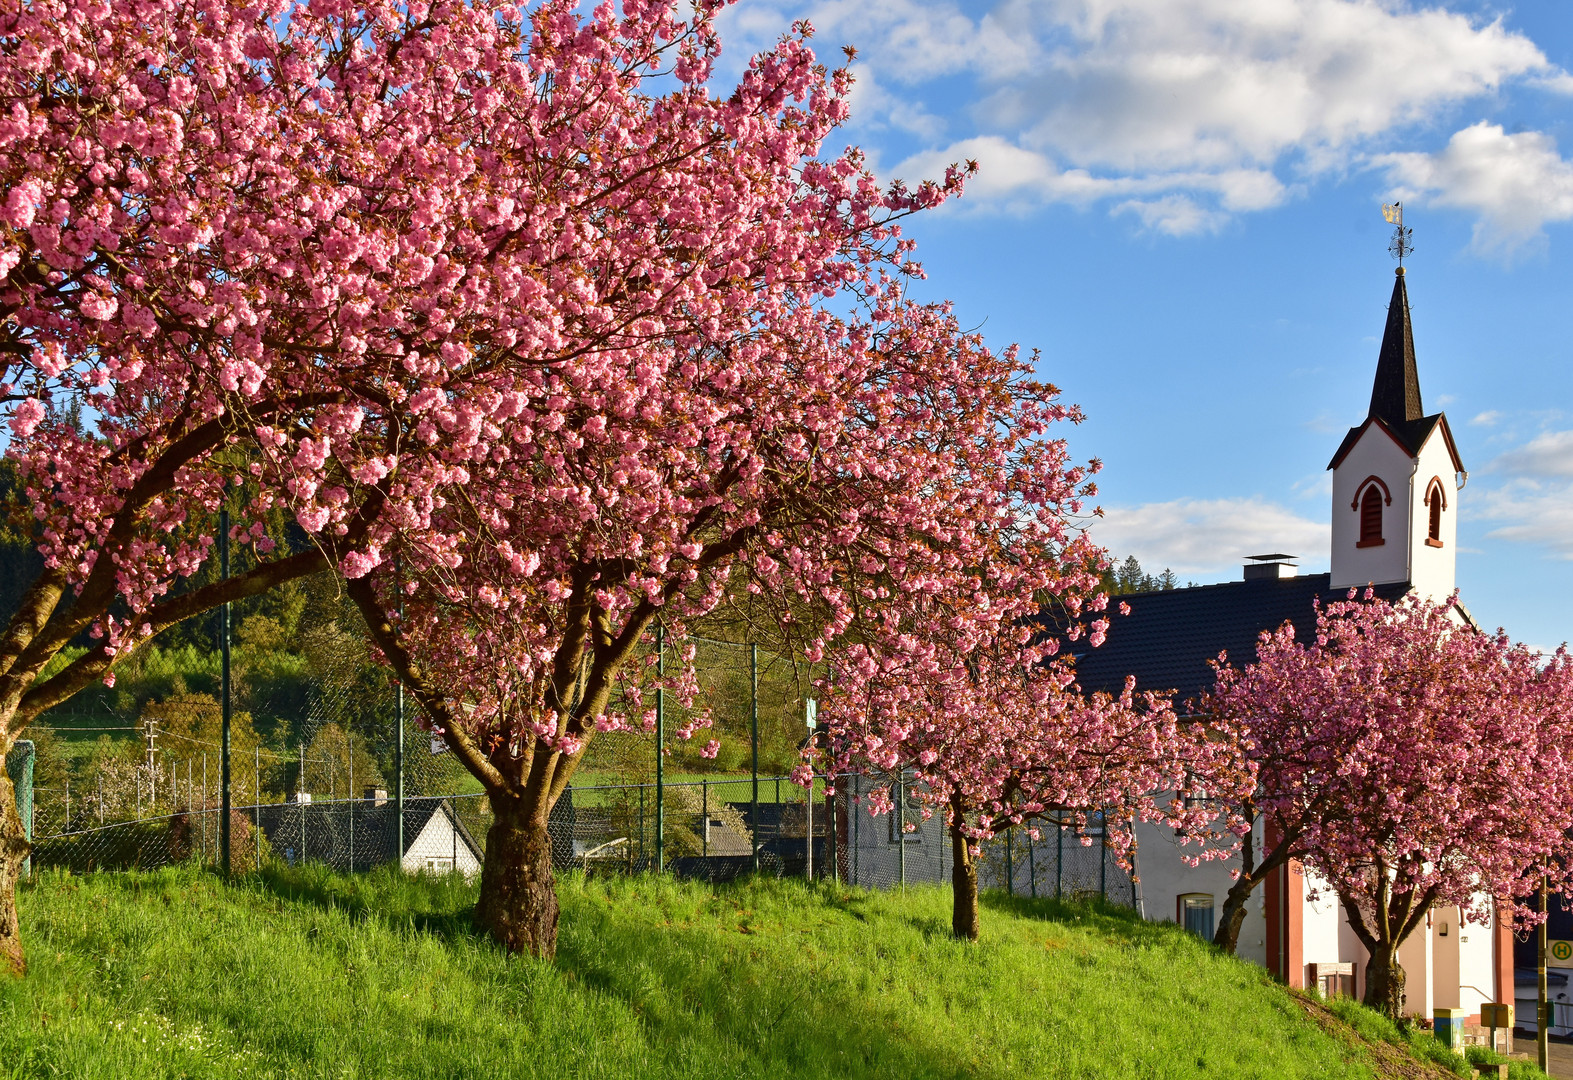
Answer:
x=344 y=259
x=1003 y=737
x=1410 y=760
x=843 y=478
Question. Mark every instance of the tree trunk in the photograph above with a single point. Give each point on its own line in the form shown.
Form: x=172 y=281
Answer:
x=963 y=887
x=14 y=850
x=1384 y=981
x=1227 y=936
x=518 y=904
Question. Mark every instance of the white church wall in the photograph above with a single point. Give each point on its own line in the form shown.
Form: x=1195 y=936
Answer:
x=1432 y=569
x=1376 y=454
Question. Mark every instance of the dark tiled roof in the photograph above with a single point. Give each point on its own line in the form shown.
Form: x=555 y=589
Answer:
x=1168 y=638
x=1411 y=434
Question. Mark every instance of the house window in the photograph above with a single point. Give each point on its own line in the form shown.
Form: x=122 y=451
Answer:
x=1196 y=913
x=1371 y=517
x=439 y=866
x=1436 y=519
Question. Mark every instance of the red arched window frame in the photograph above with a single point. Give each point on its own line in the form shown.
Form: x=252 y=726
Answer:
x=1436 y=499
x=1370 y=497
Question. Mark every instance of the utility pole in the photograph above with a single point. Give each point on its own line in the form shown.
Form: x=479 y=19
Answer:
x=1543 y=1012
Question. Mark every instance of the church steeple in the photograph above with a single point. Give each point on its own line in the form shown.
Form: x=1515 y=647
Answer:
x=1396 y=477
x=1395 y=396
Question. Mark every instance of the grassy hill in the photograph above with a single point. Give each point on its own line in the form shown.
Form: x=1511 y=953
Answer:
x=304 y=974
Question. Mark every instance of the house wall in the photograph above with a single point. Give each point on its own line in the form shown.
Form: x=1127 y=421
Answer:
x=1477 y=957
x=1446 y=938
x=1376 y=454
x=1322 y=941
x=439 y=841
x=1165 y=877
x=1415 y=956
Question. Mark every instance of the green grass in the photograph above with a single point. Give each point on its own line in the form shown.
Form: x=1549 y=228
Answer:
x=1375 y=1027
x=309 y=974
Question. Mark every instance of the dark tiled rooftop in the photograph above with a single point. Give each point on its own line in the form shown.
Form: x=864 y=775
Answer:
x=1168 y=638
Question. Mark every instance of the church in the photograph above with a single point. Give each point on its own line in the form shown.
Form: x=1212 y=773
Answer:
x=1397 y=476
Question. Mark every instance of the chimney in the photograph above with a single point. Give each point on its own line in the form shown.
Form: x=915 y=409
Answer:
x=1276 y=565
x=377 y=796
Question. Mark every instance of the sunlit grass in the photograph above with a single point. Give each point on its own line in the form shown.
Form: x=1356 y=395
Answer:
x=304 y=973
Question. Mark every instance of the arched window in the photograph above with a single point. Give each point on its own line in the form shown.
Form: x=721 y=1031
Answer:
x=1436 y=499
x=1371 y=518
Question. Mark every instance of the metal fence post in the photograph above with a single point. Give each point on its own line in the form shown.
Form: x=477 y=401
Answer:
x=830 y=836
x=1103 y=858
x=1010 y=868
x=1059 y=860
x=660 y=749
x=256 y=806
x=808 y=824
x=901 y=830
x=704 y=808
x=1032 y=864
x=857 y=825
x=398 y=736
x=753 y=727
x=224 y=695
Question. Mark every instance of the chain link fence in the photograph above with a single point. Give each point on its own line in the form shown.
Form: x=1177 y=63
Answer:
x=322 y=744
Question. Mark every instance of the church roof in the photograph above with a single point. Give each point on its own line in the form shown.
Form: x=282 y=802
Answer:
x=1168 y=638
x=1395 y=393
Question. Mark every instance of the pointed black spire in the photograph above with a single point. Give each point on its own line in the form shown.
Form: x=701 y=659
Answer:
x=1395 y=397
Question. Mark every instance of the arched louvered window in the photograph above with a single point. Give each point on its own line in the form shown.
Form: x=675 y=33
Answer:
x=1371 y=517
x=1436 y=499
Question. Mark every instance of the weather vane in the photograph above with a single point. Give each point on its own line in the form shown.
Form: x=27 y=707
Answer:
x=1402 y=242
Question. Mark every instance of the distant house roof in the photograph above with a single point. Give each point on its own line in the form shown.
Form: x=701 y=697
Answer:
x=1169 y=637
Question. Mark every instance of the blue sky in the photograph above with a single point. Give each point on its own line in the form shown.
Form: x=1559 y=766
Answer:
x=1180 y=205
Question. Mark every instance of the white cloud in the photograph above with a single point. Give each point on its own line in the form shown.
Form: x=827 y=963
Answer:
x=1216 y=84
x=1546 y=456
x=1209 y=537
x=1516 y=183
x=877 y=107
x=1179 y=113
x=1533 y=512
x=1489 y=418
x=1535 y=505
x=1176 y=215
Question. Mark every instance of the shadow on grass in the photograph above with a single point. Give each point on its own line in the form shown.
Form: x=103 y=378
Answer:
x=1113 y=920
x=442 y=906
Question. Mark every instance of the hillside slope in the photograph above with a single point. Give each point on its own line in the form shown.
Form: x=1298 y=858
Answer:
x=303 y=974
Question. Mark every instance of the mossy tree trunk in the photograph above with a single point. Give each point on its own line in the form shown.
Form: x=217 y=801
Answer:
x=14 y=850
x=518 y=902
x=964 y=922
